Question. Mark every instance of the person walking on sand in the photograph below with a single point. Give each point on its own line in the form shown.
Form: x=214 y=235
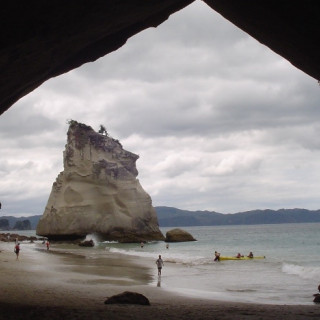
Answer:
x=159 y=264
x=17 y=250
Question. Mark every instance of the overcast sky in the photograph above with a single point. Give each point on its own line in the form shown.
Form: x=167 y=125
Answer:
x=220 y=122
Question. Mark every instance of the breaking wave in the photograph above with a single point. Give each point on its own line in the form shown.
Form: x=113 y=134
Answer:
x=303 y=272
x=167 y=257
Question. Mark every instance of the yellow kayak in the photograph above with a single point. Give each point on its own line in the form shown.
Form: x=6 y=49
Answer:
x=242 y=258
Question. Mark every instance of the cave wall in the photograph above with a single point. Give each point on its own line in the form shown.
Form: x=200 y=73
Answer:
x=289 y=28
x=43 y=39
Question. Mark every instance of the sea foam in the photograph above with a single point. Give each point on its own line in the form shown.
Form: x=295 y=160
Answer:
x=166 y=256
x=303 y=272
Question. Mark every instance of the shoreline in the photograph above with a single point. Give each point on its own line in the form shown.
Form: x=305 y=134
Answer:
x=55 y=284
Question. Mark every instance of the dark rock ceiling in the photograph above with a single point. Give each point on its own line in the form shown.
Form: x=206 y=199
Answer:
x=288 y=27
x=43 y=39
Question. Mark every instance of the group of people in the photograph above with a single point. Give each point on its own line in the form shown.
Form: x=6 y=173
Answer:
x=159 y=261
x=239 y=255
x=17 y=247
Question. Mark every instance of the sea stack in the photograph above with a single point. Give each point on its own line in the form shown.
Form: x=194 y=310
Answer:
x=98 y=192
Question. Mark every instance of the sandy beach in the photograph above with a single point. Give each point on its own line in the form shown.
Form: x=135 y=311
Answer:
x=55 y=285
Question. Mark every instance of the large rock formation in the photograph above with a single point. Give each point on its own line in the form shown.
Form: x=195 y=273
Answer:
x=98 y=192
x=43 y=39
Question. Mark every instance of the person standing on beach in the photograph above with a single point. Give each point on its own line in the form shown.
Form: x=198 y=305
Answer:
x=159 y=264
x=17 y=250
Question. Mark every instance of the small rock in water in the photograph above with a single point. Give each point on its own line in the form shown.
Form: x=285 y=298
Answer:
x=87 y=243
x=178 y=235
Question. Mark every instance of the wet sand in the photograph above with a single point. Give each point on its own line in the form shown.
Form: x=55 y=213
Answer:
x=57 y=285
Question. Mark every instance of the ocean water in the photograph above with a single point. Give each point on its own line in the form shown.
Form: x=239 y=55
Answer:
x=290 y=273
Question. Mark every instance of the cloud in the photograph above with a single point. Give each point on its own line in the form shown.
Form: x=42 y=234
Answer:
x=220 y=121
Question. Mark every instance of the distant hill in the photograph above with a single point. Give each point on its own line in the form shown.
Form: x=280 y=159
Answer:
x=173 y=217
x=13 y=222
x=23 y=225
x=4 y=224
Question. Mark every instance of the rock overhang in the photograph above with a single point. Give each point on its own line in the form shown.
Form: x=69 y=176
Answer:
x=41 y=40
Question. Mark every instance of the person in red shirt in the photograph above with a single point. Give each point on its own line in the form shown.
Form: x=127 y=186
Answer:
x=17 y=250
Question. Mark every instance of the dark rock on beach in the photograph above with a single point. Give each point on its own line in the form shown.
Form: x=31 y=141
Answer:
x=179 y=235
x=87 y=243
x=12 y=237
x=128 y=297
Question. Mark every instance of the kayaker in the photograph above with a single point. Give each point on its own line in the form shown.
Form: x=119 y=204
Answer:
x=239 y=255
x=216 y=256
x=250 y=255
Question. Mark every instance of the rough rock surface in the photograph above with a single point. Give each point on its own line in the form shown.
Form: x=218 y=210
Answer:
x=128 y=297
x=12 y=237
x=287 y=28
x=43 y=39
x=98 y=193
x=178 y=235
